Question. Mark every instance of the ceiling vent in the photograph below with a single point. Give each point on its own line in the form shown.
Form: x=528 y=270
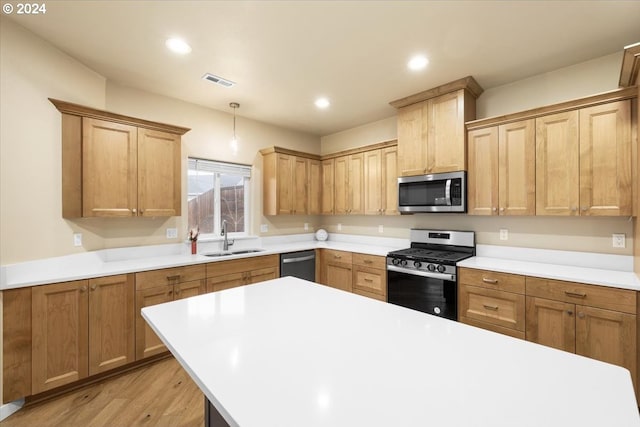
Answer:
x=218 y=80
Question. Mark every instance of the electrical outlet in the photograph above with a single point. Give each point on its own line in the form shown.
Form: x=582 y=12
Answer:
x=264 y=228
x=380 y=229
x=306 y=226
x=339 y=227
x=618 y=240
x=504 y=234
x=77 y=239
x=172 y=233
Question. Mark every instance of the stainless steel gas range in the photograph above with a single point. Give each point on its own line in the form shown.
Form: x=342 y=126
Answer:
x=423 y=277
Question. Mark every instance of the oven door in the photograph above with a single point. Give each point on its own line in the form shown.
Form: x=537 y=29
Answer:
x=431 y=295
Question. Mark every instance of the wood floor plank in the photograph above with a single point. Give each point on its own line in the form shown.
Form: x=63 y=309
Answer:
x=160 y=394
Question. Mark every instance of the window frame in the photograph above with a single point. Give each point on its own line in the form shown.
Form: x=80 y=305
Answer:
x=220 y=168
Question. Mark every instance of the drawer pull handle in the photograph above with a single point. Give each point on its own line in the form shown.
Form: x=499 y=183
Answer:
x=174 y=277
x=368 y=280
x=575 y=294
x=368 y=261
x=492 y=281
x=490 y=307
x=337 y=256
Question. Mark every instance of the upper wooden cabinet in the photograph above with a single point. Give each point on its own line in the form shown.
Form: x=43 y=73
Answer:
x=431 y=128
x=583 y=161
x=349 y=184
x=579 y=160
x=288 y=177
x=501 y=176
x=118 y=166
x=380 y=182
x=327 y=187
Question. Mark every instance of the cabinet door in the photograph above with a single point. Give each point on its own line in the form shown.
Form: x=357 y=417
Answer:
x=517 y=173
x=551 y=323
x=285 y=184
x=356 y=184
x=557 y=177
x=446 y=139
x=59 y=334
x=339 y=276
x=370 y=281
x=226 y=281
x=147 y=342
x=159 y=173
x=111 y=322
x=315 y=187
x=189 y=289
x=328 y=187
x=482 y=178
x=607 y=335
x=341 y=182
x=261 y=275
x=373 y=182
x=390 y=181
x=412 y=136
x=109 y=169
x=605 y=159
x=300 y=194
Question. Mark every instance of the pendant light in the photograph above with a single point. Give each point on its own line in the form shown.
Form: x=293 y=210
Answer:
x=234 y=142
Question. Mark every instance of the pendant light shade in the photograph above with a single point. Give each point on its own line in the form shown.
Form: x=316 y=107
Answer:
x=234 y=141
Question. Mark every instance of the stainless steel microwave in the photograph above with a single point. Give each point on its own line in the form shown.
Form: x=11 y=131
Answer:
x=439 y=192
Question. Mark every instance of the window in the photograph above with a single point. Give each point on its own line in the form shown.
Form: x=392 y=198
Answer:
x=217 y=192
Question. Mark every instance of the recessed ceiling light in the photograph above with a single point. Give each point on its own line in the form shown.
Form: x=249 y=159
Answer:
x=178 y=45
x=322 y=103
x=418 y=62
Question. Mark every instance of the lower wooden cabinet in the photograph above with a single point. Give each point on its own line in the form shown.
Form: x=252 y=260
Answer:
x=593 y=321
x=493 y=301
x=230 y=274
x=336 y=269
x=157 y=287
x=370 y=276
x=80 y=328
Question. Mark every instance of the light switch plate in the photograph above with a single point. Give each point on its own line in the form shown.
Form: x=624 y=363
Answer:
x=339 y=227
x=504 y=234
x=381 y=228
x=77 y=239
x=264 y=228
x=172 y=233
x=306 y=226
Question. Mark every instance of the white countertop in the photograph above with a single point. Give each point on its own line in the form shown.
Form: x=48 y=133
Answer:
x=288 y=352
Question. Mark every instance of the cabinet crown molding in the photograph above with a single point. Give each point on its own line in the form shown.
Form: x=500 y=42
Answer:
x=81 y=110
x=630 y=70
x=467 y=83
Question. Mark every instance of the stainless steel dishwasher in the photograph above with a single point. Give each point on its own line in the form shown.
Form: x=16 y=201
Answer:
x=300 y=264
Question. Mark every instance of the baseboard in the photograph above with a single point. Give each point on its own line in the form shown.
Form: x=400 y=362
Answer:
x=10 y=408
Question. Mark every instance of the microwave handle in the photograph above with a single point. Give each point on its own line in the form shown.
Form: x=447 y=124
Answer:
x=447 y=192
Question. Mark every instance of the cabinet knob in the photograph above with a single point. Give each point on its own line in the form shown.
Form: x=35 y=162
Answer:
x=83 y=289
x=141 y=210
x=133 y=210
x=570 y=313
x=94 y=287
x=584 y=209
x=501 y=209
x=493 y=209
x=170 y=293
x=581 y=315
x=573 y=209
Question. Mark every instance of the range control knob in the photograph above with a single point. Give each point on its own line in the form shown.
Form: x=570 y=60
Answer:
x=417 y=264
x=395 y=261
x=404 y=262
x=441 y=269
x=431 y=267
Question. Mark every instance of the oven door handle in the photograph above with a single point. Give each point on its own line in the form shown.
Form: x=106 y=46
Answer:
x=432 y=275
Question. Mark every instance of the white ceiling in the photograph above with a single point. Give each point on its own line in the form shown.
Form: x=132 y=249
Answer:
x=284 y=54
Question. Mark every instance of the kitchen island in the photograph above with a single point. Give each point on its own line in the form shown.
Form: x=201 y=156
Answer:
x=288 y=352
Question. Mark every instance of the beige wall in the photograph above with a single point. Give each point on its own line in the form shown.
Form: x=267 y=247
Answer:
x=581 y=234
x=30 y=145
x=32 y=70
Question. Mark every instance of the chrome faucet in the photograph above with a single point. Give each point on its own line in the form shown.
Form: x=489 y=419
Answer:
x=226 y=243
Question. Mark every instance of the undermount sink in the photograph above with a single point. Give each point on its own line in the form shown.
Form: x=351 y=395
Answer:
x=229 y=253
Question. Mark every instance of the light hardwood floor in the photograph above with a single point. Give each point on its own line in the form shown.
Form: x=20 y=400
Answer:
x=161 y=394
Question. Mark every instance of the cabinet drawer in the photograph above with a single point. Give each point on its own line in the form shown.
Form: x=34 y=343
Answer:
x=169 y=276
x=242 y=265
x=333 y=256
x=623 y=300
x=496 y=307
x=372 y=280
x=371 y=261
x=492 y=280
